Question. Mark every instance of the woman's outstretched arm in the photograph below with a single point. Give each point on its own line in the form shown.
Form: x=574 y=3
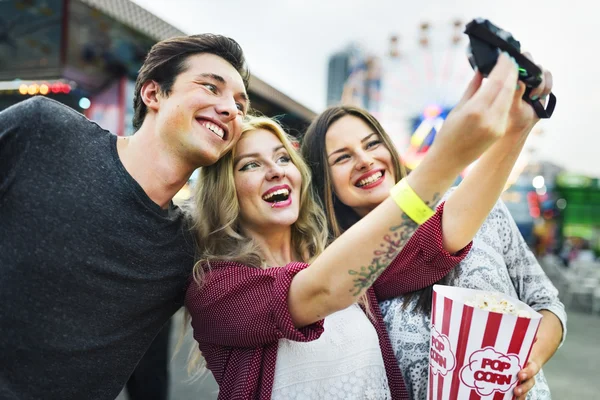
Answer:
x=469 y=205
x=350 y=265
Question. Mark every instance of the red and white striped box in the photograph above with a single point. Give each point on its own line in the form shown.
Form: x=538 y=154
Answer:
x=476 y=354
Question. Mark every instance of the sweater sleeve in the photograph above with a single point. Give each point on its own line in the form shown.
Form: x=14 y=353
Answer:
x=529 y=279
x=242 y=306
x=421 y=263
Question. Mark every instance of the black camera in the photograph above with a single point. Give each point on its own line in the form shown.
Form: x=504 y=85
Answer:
x=487 y=41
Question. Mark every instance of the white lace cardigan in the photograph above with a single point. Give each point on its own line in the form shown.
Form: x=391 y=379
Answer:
x=500 y=260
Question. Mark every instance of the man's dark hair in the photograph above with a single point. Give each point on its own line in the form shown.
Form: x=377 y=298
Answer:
x=167 y=59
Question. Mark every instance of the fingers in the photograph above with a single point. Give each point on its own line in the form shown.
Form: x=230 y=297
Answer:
x=545 y=87
x=522 y=390
x=549 y=81
x=502 y=85
x=531 y=369
x=504 y=71
x=521 y=87
x=536 y=92
x=527 y=378
x=474 y=85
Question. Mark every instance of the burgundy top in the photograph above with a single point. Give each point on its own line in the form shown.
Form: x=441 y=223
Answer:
x=241 y=312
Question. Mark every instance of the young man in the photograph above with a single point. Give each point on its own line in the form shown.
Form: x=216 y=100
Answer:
x=94 y=257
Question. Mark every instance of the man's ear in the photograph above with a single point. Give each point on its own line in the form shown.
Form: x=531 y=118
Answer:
x=150 y=94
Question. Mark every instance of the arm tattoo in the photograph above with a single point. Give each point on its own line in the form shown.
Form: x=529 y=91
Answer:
x=432 y=203
x=392 y=244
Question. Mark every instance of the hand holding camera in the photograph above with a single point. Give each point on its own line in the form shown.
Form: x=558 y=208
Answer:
x=480 y=118
x=487 y=41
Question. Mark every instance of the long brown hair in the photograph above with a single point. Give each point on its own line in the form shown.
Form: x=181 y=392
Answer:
x=340 y=217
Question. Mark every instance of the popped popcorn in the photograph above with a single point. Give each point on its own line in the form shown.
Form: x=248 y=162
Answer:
x=495 y=303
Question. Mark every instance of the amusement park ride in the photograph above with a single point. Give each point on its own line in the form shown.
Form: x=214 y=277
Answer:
x=413 y=87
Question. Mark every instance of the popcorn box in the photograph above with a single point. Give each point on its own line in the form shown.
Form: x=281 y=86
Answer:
x=476 y=354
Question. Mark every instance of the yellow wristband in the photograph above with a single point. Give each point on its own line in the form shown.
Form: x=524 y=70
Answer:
x=409 y=202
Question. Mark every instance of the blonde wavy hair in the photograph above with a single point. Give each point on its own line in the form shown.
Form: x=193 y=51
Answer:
x=216 y=217
x=216 y=211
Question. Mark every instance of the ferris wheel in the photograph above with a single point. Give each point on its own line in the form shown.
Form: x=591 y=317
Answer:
x=412 y=88
x=421 y=83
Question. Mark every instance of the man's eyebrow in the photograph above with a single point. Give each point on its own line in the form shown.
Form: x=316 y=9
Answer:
x=222 y=81
x=215 y=77
x=244 y=96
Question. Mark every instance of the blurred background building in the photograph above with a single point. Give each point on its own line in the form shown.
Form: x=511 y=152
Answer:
x=86 y=54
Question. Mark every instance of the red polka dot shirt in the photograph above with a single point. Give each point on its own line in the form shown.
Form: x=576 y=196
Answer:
x=240 y=313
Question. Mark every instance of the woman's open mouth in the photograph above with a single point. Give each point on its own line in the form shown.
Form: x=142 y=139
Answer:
x=371 y=180
x=278 y=196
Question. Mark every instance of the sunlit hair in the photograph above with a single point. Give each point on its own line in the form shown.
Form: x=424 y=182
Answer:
x=340 y=217
x=216 y=215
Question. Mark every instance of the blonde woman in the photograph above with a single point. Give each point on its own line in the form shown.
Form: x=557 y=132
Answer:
x=271 y=325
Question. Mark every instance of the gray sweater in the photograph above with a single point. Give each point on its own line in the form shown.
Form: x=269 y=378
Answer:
x=90 y=267
x=499 y=261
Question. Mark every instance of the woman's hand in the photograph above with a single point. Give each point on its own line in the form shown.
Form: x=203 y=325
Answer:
x=522 y=116
x=527 y=379
x=547 y=341
x=481 y=117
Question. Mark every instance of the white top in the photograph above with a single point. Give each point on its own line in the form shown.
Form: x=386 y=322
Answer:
x=499 y=261
x=344 y=363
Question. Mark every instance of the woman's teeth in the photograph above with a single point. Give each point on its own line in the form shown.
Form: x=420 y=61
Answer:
x=370 y=179
x=281 y=194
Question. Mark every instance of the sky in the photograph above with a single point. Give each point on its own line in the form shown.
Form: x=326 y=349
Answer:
x=288 y=42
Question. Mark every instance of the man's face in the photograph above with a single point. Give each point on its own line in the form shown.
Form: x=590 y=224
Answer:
x=200 y=120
